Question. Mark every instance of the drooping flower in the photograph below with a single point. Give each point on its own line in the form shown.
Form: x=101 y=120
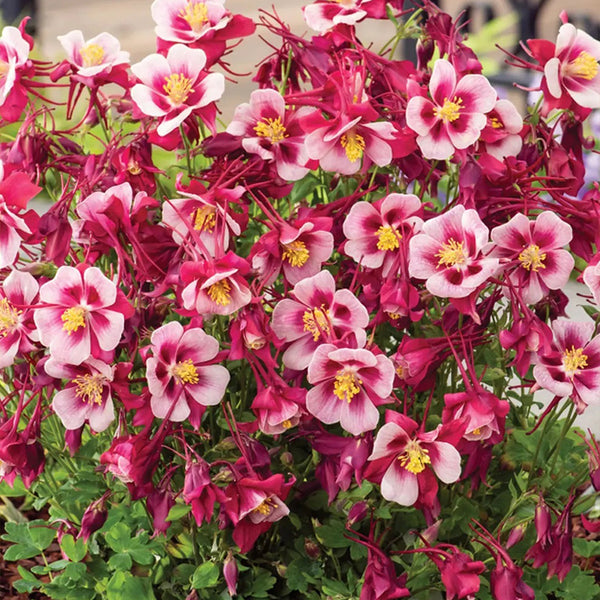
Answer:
x=349 y=385
x=14 y=60
x=278 y=407
x=13 y=229
x=181 y=371
x=454 y=116
x=200 y=492
x=323 y=15
x=500 y=137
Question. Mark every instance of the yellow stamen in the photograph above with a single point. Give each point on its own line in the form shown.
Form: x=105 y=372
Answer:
x=476 y=431
x=450 y=110
x=316 y=321
x=196 y=15
x=4 y=68
x=286 y=424
x=272 y=129
x=219 y=292
x=354 y=145
x=205 y=219
x=389 y=238
x=531 y=258
x=296 y=253
x=451 y=254
x=394 y=315
x=345 y=385
x=496 y=123
x=574 y=360
x=414 y=458
x=584 y=66
x=89 y=387
x=73 y=318
x=91 y=55
x=178 y=87
x=9 y=317
x=185 y=372
x=133 y=167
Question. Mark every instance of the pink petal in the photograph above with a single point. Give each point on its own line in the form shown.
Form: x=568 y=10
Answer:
x=399 y=485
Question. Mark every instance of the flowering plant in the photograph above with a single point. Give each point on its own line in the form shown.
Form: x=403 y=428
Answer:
x=304 y=353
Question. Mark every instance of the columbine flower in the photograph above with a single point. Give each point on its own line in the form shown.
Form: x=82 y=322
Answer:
x=448 y=254
x=317 y=314
x=175 y=86
x=325 y=14
x=86 y=397
x=82 y=313
x=182 y=371
x=572 y=368
x=12 y=230
x=500 y=137
x=455 y=115
x=349 y=385
x=376 y=232
x=14 y=57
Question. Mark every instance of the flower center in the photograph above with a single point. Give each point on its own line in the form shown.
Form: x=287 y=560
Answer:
x=91 y=55
x=296 y=253
x=574 y=360
x=196 y=15
x=286 y=424
x=584 y=66
x=531 y=258
x=219 y=292
x=389 y=238
x=345 y=386
x=178 y=87
x=265 y=507
x=185 y=372
x=496 y=123
x=354 y=145
x=89 y=387
x=73 y=318
x=451 y=254
x=414 y=458
x=205 y=219
x=449 y=111
x=4 y=68
x=316 y=321
x=9 y=317
x=272 y=129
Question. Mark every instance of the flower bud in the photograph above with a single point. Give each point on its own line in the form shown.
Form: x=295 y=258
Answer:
x=230 y=573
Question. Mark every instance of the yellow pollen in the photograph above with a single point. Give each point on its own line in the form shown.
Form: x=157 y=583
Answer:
x=401 y=372
x=265 y=507
x=584 y=66
x=414 y=458
x=196 y=15
x=394 y=315
x=451 y=254
x=574 y=360
x=73 y=318
x=89 y=388
x=450 y=111
x=354 y=145
x=178 y=87
x=286 y=424
x=531 y=258
x=219 y=292
x=496 y=123
x=345 y=385
x=272 y=129
x=133 y=167
x=316 y=321
x=92 y=55
x=9 y=317
x=476 y=431
x=185 y=372
x=389 y=238
x=4 y=68
x=205 y=219
x=296 y=253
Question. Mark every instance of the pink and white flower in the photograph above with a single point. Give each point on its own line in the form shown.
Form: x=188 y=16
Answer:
x=12 y=231
x=449 y=254
x=376 y=232
x=86 y=397
x=318 y=313
x=323 y=15
x=14 y=60
x=500 y=137
x=81 y=314
x=174 y=87
x=349 y=385
x=182 y=372
x=454 y=116
x=572 y=367
x=536 y=247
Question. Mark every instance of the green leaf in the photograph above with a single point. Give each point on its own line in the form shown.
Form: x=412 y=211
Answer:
x=333 y=588
x=120 y=561
x=178 y=511
x=75 y=571
x=262 y=583
x=586 y=548
x=332 y=534
x=20 y=551
x=74 y=549
x=302 y=571
x=206 y=575
x=124 y=586
x=118 y=537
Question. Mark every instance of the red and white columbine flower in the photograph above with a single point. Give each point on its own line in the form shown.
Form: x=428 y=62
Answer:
x=267 y=129
x=448 y=254
x=500 y=137
x=325 y=14
x=81 y=313
x=349 y=385
x=86 y=397
x=406 y=457
x=14 y=59
x=318 y=313
x=375 y=232
x=541 y=263
x=182 y=371
x=572 y=368
x=12 y=230
x=454 y=116
x=176 y=86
